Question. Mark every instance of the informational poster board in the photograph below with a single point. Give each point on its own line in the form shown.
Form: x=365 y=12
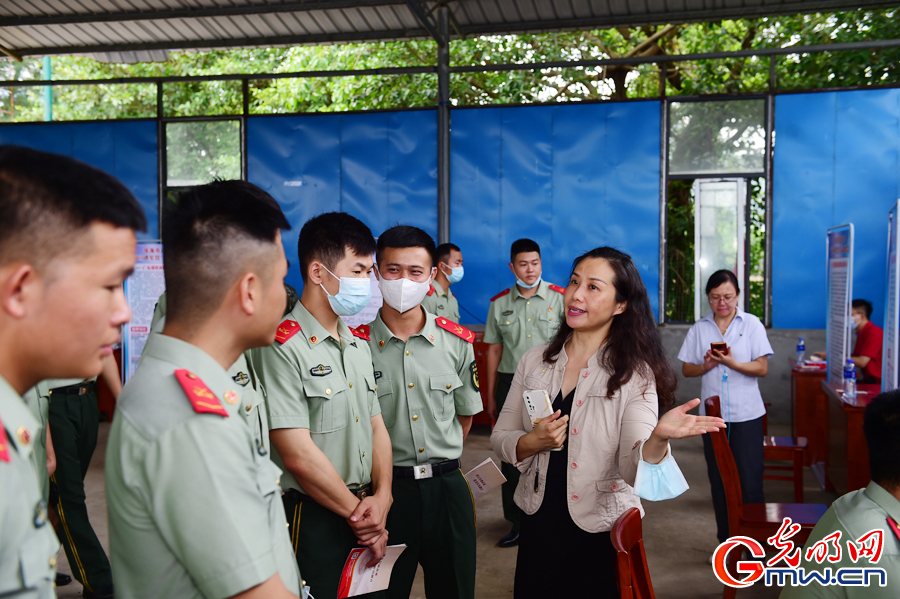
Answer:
x=839 y=260
x=891 y=305
x=142 y=289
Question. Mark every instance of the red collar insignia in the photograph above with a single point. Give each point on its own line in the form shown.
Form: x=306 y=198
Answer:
x=501 y=294
x=4 y=445
x=458 y=330
x=200 y=396
x=286 y=330
x=362 y=331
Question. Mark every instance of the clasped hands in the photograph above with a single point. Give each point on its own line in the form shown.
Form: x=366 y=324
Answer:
x=368 y=524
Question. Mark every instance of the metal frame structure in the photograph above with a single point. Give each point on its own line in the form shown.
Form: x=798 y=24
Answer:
x=36 y=27
x=438 y=24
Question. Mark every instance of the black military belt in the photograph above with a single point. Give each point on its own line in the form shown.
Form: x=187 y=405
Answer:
x=361 y=493
x=82 y=389
x=426 y=470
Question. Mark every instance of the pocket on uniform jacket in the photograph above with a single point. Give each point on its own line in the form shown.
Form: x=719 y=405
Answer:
x=327 y=399
x=442 y=388
x=34 y=560
x=387 y=403
x=268 y=477
x=549 y=322
x=611 y=496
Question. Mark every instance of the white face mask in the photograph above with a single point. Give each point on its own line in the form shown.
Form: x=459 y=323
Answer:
x=402 y=294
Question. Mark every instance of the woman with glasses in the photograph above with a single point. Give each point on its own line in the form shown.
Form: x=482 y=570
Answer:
x=729 y=350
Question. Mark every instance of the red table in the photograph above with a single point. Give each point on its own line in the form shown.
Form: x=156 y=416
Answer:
x=809 y=413
x=848 y=453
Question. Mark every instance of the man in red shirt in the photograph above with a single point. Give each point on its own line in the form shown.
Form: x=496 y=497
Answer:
x=869 y=342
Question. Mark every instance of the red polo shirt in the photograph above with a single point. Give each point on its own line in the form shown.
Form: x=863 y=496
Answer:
x=869 y=343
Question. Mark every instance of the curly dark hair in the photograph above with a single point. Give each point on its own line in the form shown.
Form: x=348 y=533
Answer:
x=634 y=343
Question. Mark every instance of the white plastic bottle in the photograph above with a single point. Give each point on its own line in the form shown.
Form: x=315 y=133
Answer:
x=849 y=380
x=801 y=351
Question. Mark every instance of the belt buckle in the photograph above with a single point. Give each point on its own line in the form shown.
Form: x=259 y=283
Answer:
x=423 y=471
x=362 y=493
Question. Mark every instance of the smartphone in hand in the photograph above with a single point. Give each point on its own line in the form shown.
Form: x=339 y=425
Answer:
x=720 y=346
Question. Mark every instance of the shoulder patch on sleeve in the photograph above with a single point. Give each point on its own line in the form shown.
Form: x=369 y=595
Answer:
x=203 y=400
x=286 y=330
x=362 y=331
x=501 y=294
x=557 y=288
x=4 y=445
x=458 y=330
x=431 y=290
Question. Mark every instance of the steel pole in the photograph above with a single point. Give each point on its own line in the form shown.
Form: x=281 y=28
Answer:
x=443 y=136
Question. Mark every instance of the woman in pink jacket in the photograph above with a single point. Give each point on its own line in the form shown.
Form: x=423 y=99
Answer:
x=607 y=375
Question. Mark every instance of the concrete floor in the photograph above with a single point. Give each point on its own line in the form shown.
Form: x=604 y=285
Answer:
x=679 y=535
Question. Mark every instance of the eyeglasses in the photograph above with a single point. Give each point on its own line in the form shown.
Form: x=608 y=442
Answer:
x=715 y=299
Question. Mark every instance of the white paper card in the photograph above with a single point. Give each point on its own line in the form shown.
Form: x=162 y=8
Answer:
x=484 y=478
x=358 y=579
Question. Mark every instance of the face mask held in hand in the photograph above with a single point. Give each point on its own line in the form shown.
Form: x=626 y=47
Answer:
x=402 y=294
x=352 y=296
x=657 y=482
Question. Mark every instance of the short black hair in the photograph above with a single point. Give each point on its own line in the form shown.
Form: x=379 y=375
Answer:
x=328 y=236
x=881 y=424
x=523 y=246
x=48 y=200
x=212 y=234
x=720 y=277
x=443 y=251
x=866 y=305
x=404 y=236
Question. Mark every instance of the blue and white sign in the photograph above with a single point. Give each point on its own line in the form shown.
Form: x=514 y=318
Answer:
x=142 y=289
x=891 y=305
x=839 y=260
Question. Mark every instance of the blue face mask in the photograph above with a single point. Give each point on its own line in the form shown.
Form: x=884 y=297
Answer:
x=525 y=285
x=456 y=274
x=657 y=482
x=353 y=295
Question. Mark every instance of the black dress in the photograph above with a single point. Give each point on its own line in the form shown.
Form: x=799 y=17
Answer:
x=557 y=559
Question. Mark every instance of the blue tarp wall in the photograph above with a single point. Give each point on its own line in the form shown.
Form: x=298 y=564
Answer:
x=126 y=149
x=380 y=167
x=836 y=161
x=569 y=177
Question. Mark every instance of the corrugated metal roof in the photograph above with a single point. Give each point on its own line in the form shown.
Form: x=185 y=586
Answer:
x=38 y=27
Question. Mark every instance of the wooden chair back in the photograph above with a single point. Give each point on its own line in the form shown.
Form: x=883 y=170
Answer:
x=731 y=480
x=633 y=574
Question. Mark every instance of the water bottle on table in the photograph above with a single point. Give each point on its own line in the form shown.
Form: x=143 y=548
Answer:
x=849 y=380
x=801 y=351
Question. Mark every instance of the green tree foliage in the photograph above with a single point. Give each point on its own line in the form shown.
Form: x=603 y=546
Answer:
x=404 y=91
x=714 y=133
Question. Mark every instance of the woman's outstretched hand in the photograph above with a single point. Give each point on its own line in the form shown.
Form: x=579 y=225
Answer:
x=678 y=424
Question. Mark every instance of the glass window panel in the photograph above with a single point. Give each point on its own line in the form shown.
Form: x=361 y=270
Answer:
x=719 y=234
x=200 y=151
x=717 y=137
